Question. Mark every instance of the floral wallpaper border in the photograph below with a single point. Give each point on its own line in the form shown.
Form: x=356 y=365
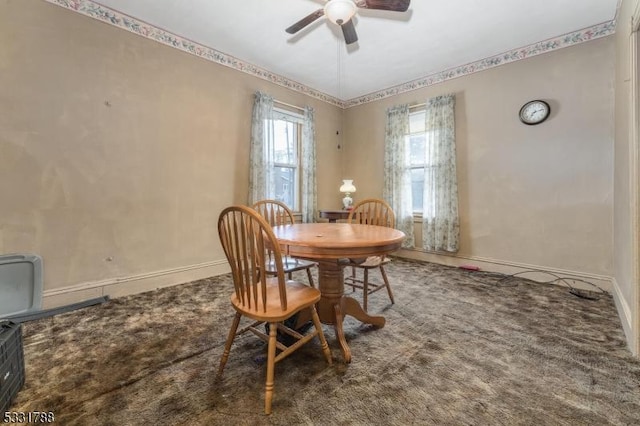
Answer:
x=118 y=19
x=576 y=37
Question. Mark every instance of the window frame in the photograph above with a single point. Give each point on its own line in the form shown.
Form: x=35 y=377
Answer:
x=421 y=110
x=283 y=114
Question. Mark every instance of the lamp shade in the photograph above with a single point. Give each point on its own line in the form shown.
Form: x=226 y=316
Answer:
x=347 y=186
x=339 y=11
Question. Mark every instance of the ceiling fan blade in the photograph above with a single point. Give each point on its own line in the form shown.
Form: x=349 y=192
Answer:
x=305 y=21
x=349 y=32
x=393 y=5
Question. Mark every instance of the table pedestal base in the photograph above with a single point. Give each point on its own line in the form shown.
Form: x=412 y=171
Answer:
x=334 y=305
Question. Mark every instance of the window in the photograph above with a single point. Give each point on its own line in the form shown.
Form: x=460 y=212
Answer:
x=282 y=156
x=417 y=143
x=420 y=171
x=287 y=131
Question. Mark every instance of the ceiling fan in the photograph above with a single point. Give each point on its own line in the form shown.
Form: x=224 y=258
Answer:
x=340 y=12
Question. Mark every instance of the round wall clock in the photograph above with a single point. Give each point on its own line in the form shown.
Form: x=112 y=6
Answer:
x=534 y=112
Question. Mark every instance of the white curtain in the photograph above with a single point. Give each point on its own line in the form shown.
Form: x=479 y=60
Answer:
x=440 y=222
x=397 y=175
x=261 y=173
x=309 y=189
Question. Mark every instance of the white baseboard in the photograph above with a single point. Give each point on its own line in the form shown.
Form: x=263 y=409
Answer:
x=542 y=273
x=122 y=286
x=626 y=318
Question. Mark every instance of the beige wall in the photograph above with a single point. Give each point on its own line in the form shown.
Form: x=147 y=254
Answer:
x=115 y=146
x=626 y=180
x=528 y=195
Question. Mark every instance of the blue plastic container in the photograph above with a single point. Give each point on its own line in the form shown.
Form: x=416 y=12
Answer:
x=20 y=284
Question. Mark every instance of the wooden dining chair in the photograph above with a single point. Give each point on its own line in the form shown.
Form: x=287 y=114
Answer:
x=246 y=237
x=277 y=213
x=371 y=211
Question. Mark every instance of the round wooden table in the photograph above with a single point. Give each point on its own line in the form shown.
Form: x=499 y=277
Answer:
x=327 y=244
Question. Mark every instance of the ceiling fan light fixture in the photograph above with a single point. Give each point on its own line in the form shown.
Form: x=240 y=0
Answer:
x=340 y=11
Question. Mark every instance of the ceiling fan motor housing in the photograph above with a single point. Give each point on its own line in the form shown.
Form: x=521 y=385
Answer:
x=340 y=11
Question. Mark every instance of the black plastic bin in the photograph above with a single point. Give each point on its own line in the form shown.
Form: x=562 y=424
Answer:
x=11 y=363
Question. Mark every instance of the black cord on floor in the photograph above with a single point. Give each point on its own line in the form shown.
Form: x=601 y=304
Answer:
x=503 y=280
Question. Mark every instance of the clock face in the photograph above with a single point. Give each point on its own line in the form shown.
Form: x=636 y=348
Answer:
x=534 y=112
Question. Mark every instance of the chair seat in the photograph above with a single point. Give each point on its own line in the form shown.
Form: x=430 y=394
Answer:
x=299 y=296
x=369 y=262
x=291 y=264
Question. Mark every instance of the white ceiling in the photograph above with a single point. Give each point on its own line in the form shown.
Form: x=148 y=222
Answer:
x=393 y=48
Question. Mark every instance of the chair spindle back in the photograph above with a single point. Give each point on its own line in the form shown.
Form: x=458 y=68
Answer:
x=275 y=212
x=372 y=211
x=248 y=241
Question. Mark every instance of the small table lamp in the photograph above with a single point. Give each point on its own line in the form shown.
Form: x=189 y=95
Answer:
x=347 y=188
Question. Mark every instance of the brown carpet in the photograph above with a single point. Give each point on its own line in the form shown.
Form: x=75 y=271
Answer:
x=459 y=348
